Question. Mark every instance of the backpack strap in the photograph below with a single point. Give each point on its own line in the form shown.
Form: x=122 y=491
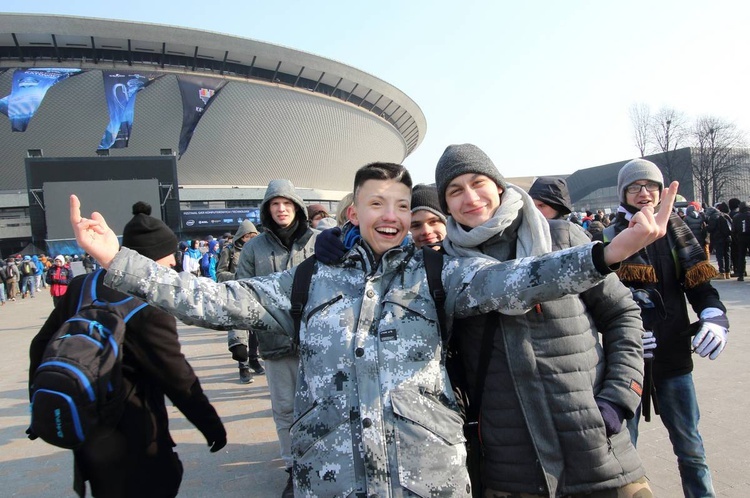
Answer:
x=126 y=308
x=433 y=265
x=433 y=261
x=300 y=288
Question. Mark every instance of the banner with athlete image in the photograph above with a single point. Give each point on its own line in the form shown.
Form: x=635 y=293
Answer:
x=197 y=94
x=29 y=88
x=120 y=91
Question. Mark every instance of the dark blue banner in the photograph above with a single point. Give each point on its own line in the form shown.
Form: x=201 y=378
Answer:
x=120 y=91
x=218 y=218
x=29 y=88
x=197 y=94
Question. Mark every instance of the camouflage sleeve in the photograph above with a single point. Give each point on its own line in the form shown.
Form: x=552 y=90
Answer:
x=260 y=304
x=513 y=287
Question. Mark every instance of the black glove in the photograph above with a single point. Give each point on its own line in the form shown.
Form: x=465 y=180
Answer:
x=239 y=352
x=328 y=246
x=613 y=416
x=31 y=435
x=218 y=443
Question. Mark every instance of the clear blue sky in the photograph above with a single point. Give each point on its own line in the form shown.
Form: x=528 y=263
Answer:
x=544 y=87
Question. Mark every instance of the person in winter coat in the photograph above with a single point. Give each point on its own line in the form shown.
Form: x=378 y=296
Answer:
x=136 y=459
x=12 y=277
x=734 y=209
x=287 y=240
x=719 y=227
x=673 y=270
x=596 y=227
x=696 y=222
x=38 y=272
x=210 y=259
x=28 y=276
x=374 y=410
x=58 y=278
x=551 y=197
x=563 y=377
x=192 y=257
x=741 y=233
x=243 y=344
x=3 y=295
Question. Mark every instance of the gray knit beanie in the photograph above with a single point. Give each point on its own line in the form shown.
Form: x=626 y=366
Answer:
x=461 y=159
x=425 y=198
x=638 y=169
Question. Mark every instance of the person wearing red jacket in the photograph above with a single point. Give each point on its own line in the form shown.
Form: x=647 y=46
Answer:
x=58 y=278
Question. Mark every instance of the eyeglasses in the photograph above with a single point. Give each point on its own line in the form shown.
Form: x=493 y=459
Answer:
x=635 y=188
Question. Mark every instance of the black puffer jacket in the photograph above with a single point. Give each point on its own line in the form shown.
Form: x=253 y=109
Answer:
x=696 y=222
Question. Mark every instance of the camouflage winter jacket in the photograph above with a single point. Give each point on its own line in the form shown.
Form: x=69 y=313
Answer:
x=375 y=414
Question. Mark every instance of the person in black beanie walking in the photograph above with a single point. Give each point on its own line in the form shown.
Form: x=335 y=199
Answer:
x=136 y=458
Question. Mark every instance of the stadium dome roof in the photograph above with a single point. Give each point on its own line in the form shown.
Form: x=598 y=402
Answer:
x=283 y=113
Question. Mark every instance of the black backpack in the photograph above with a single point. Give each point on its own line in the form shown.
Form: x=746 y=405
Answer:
x=78 y=385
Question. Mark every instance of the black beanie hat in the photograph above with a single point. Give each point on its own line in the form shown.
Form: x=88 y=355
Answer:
x=425 y=198
x=149 y=236
x=461 y=159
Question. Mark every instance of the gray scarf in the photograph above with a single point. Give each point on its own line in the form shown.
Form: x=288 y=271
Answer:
x=533 y=237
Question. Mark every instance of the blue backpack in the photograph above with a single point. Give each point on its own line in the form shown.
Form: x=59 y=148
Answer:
x=78 y=385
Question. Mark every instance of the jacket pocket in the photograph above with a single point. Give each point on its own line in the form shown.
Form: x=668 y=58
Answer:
x=322 y=447
x=431 y=453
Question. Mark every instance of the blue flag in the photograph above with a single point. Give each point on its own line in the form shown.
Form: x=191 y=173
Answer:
x=120 y=91
x=29 y=88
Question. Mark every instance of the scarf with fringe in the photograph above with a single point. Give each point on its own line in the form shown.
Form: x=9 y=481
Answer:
x=686 y=250
x=532 y=237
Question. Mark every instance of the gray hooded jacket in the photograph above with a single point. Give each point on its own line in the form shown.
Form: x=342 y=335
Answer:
x=265 y=254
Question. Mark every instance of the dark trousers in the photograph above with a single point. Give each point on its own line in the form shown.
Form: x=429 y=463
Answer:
x=721 y=247
x=743 y=242
x=116 y=467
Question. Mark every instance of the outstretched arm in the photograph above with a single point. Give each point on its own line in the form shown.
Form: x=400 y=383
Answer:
x=644 y=228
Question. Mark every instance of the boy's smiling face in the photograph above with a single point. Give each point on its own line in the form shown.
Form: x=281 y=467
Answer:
x=381 y=209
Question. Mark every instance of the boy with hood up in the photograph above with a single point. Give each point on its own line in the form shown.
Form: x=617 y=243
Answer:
x=286 y=241
x=210 y=259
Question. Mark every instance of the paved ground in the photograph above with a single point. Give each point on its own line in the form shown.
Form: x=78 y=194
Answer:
x=249 y=466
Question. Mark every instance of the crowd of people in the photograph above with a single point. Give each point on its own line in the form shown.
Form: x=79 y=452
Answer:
x=24 y=275
x=558 y=352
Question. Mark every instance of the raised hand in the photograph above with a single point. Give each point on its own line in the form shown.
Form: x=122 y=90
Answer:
x=645 y=227
x=93 y=235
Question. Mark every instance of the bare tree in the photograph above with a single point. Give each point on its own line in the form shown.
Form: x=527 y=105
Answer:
x=669 y=132
x=640 y=117
x=719 y=156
